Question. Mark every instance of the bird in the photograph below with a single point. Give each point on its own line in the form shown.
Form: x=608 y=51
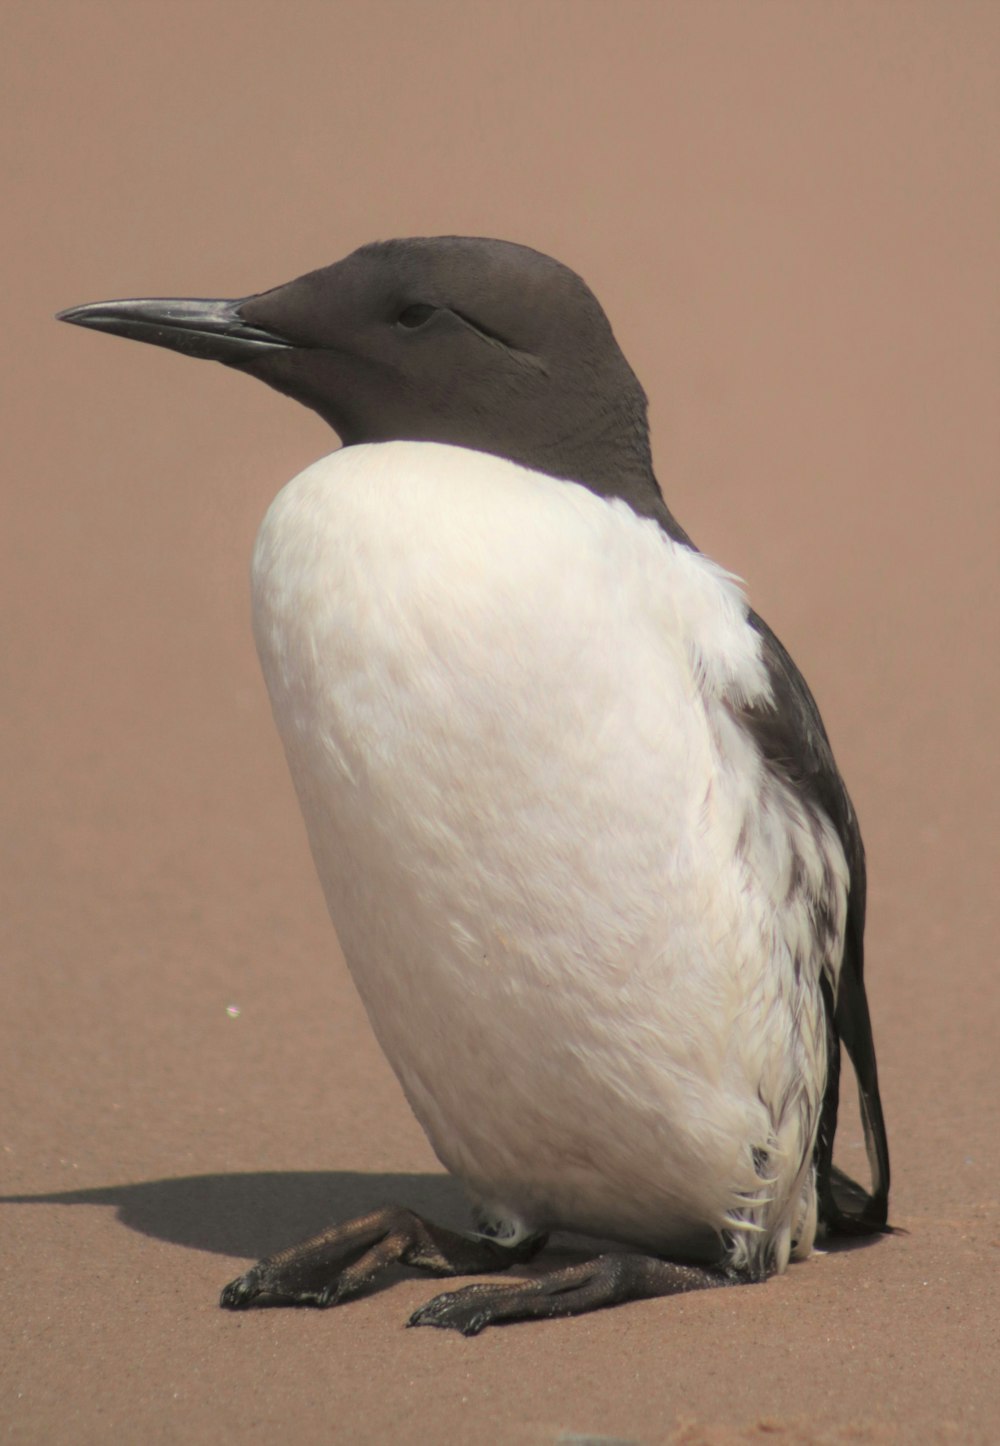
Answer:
x=577 y=819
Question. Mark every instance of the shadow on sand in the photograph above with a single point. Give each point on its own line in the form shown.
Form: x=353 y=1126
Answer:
x=255 y=1214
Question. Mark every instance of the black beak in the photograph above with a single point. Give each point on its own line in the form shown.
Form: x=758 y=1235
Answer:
x=214 y=330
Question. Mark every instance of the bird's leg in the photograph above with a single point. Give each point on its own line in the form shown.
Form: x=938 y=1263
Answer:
x=344 y=1260
x=606 y=1280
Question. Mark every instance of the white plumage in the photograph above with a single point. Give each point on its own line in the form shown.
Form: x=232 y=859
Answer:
x=579 y=910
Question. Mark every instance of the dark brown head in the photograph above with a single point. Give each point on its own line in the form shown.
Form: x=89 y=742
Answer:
x=478 y=343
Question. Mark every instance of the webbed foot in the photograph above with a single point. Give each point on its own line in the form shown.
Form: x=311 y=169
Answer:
x=344 y=1260
x=604 y=1281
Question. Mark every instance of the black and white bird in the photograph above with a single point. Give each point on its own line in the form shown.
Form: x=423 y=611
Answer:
x=580 y=830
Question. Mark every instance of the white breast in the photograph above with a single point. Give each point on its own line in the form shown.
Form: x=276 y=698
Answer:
x=579 y=911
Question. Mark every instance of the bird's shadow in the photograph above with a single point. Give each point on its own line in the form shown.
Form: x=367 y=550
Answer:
x=255 y=1214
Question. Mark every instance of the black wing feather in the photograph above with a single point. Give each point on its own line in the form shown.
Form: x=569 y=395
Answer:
x=793 y=740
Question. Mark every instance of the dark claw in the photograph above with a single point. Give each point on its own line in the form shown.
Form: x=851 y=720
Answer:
x=455 y=1310
x=239 y=1293
x=331 y=1295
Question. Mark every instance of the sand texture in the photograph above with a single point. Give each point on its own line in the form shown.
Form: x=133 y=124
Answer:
x=790 y=211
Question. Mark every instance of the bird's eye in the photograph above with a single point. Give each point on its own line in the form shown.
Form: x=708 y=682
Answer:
x=412 y=317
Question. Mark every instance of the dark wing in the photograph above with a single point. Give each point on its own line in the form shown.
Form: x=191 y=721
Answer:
x=793 y=741
x=792 y=738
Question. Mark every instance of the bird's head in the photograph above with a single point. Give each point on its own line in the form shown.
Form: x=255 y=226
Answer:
x=474 y=342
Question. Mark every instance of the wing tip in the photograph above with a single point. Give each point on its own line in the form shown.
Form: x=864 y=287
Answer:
x=847 y=1208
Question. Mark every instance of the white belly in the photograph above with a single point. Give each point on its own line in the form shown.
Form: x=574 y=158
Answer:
x=561 y=877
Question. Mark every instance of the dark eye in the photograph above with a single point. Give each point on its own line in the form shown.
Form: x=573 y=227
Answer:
x=414 y=316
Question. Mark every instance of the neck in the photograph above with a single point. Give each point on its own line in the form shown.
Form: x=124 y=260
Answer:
x=612 y=467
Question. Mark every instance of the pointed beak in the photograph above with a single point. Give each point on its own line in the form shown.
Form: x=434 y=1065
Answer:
x=214 y=330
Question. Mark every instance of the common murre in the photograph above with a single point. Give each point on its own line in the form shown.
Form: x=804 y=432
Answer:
x=596 y=875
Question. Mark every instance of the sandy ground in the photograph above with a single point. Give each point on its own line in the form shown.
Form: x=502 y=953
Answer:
x=791 y=214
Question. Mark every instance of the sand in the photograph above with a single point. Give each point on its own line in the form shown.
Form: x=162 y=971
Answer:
x=790 y=212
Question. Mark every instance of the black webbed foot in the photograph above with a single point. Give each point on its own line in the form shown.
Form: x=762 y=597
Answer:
x=606 y=1280
x=344 y=1260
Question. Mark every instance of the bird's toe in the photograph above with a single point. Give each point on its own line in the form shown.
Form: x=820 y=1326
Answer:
x=239 y=1293
x=467 y=1311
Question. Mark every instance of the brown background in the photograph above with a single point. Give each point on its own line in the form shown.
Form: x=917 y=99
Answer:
x=790 y=212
